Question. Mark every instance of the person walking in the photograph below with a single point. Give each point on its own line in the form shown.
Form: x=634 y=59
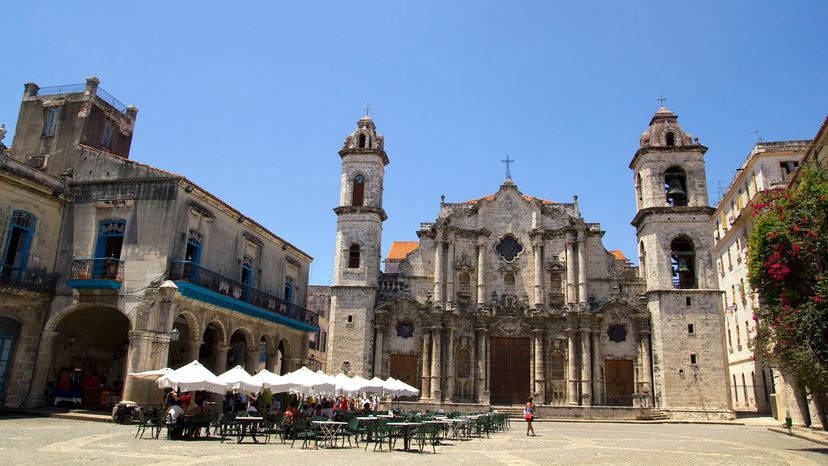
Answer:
x=529 y=415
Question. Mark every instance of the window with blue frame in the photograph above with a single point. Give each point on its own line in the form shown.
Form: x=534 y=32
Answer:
x=289 y=289
x=110 y=239
x=193 y=253
x=9 y=332
x=247 y=271
x=108 y=248
x=51 y=121
x=19 y=240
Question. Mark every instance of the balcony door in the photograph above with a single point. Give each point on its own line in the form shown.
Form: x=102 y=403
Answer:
x=108 y=248
x=16 y=252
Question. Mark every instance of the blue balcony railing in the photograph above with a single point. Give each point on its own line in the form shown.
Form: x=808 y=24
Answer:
x=97 y=268
x=27 y=279
x=185 y=271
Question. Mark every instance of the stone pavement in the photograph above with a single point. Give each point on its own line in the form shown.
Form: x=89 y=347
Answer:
x=53 y=441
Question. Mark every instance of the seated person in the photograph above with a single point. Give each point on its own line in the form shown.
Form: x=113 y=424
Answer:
x=366 y=409
x=175 y=417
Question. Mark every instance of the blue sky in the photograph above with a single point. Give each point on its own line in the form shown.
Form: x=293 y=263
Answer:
x=253 y=100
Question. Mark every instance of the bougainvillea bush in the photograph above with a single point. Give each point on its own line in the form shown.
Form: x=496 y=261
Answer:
x=788 y=259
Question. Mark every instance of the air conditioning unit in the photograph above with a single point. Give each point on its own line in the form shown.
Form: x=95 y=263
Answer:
x=37 y=161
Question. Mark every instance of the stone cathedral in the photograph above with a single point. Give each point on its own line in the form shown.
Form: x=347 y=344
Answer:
x=512 y=295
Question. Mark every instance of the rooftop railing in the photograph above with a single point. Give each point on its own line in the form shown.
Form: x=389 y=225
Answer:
x=108 y=98
x=189 y=272
x=62 y=89
x=27 y=279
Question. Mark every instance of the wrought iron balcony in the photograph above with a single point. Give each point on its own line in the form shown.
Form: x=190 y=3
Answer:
x=97 y=272
x=193 y=280
x=27 y=279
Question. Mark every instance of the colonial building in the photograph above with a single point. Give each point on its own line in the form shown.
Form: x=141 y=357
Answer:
x=152 y=269
x=770 y=165
x=511 y=295
x=319 y=301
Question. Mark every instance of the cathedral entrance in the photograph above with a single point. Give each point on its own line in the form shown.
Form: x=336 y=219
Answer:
x=619 y=382
x=509 y=370
x=404 y=367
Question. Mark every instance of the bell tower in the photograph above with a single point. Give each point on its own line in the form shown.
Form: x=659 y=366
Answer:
x=675 y=255
x=358 y=249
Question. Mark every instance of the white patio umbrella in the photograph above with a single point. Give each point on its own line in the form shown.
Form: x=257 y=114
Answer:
x=375 y=385
x=267 y=379
x=346 y=385
x=306 y=381
x=397 y=388
x=193 y=377
x=151 y=375
x=238 y=379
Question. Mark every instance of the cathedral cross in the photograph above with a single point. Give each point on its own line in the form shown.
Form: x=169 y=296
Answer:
x=367 y=108
x=508 y=162
x=661 y=99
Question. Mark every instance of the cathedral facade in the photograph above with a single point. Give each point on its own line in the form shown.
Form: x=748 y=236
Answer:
x=510 y=295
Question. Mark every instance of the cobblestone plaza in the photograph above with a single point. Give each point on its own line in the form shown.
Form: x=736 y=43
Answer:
x=60 y=441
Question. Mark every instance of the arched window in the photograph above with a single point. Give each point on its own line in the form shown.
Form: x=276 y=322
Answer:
x=358 y=191
x=638 y=187
x=670 y=139
x=675 y=186
x=353 y=256
x=363 y=141
x=744 y=388
x=735 y=388
x=642 y=260
x=683 y=263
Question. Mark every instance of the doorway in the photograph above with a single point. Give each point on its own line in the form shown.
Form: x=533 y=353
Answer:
x=619 y=387
x=509 y=366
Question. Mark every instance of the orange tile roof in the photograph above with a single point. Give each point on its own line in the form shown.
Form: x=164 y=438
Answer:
x=528 y=198
x=400 y=249
x=618 y=255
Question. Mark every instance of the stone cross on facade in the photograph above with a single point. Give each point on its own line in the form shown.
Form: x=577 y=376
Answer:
x=508 y=162
x=661 y=99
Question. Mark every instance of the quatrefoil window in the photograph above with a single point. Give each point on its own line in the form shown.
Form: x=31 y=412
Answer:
x=509 y=248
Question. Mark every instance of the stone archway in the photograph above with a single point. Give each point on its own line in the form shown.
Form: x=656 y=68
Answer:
x=90 y=347
x=241 y=349
x=267 y=353
x=213 y=351
x=283 y=355
x=185 y=347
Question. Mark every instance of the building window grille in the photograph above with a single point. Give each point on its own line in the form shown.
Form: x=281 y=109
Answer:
x=358 y=191
x=353 y=256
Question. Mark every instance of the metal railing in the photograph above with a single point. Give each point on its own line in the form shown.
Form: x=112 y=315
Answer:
x=27 y=279
x=108 y=98
x=98 y=268
x=684 y=282
x=62 y=89
x=189 y=272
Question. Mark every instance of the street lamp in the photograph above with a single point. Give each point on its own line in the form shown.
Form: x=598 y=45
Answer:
x=175 y=334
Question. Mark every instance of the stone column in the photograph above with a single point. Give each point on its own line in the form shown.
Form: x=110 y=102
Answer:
x=378 y=351
x=481 y=273
x=220 y=359
x=450 y=274
x=450 y=364
x=193 y=348
x=646 y=368
x=251 y=360
x=539 y=385
x=43 y=368
x=436 y=363
x=582 y=273
x=438 y=274
x=572 y=366
x=271 y=362
x=482 y=394
x=586 y=381
x=597 y=399
x=146 y=351
x=570 y=268
x=538 y=275
x=425 y=389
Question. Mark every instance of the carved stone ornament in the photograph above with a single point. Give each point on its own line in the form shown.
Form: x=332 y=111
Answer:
x=405 y=329
x=510 y=305
x=617 y=333
x=509 y=248
x=510 y=326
